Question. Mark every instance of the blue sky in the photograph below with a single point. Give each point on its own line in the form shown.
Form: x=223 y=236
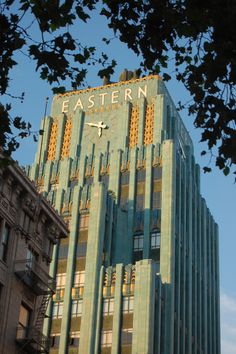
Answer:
x=218 y=190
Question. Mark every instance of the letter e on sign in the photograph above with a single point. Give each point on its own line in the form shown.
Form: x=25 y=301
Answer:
x=65 y=106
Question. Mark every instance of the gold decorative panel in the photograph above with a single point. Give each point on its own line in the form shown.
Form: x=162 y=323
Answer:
x=67 y=138
x=53 y=140
x=149 y=124
x=133 y=128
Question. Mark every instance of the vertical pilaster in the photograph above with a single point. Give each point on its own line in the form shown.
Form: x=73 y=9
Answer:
x=159 y=112
x=189 y=221
x=70 y=271
x=47 y=175
x=147 y=201
x=99 y=312
x=117 y=310
x=60 y=135
x=144 y=305
x=217 y=290
x=141 y=123
x=123 y=125
x=65 y=166
x=183 y=257
x=97 y=165
x=167 y=241
x=92 y=268
x=76 y=134
x=131 y=202
x=204 y=274
x=114 y=174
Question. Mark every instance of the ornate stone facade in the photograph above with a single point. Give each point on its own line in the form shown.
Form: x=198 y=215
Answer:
x=29 y=228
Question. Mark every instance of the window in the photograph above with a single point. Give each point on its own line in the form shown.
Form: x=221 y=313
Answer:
x=84 y=221
x=156 y=200
x=124 y=178
x=138 y=243
x=124 y=190
x=24 y=320
x=108 y=306
x=63 y=251
x=126 y=335
x=141 y=174
x=106 y=338
x=31 y=257
x=79 y=279
x=61 y=280
x=155 y=240
x=57 y=309
x=55 y=340
x=128 y=304
x=76 y=308
x=74 y=338
x=139 y=202
x=81 y=249
x=157 y=172
x=4 y=243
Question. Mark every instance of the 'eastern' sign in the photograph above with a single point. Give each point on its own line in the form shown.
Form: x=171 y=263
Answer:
x=104 y=98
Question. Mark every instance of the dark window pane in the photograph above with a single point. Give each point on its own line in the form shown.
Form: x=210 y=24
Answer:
x=141 y=175
x=63 y=251
x=81 y=249
x=157 y=172
x=124 y=178
x=4 y=243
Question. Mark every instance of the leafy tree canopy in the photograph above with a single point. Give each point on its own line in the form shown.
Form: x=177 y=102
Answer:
x=190 y=39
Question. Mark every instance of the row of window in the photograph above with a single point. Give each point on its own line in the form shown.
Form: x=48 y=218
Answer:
x=139 y=200
x=141 y=175
x=73 y=339
x=155 y=241
x=108 y=307
x=79 y=278
x=80 y=251
x=138 y=246
x=127 y=305
x=126 y=337
x=106 y=338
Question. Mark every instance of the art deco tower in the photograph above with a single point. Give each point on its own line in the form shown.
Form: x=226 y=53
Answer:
x=139 y=272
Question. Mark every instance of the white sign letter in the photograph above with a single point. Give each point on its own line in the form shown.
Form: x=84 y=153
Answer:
x=114 y=96
x=78 y=104
x=90 y=99
x=128 y=94
x=102 y=95
x=143 y=91
x=65 y=106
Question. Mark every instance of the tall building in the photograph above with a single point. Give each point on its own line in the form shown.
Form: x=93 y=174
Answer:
x=139 y=272
x=29 y=227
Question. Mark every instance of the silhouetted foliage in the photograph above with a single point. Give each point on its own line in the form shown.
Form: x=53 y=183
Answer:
x=193 y=40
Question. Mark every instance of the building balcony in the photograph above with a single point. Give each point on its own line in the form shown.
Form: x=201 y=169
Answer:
x=32 y=275
x=31 y=340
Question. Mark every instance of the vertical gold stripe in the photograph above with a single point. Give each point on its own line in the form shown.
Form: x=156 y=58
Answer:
x=67 y=138
x=53 y=140
x=133 y=128
x=149 y=124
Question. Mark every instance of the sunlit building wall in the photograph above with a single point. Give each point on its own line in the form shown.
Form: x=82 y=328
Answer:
x=139 y=272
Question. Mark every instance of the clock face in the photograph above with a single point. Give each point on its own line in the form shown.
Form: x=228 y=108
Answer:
x=99 y=129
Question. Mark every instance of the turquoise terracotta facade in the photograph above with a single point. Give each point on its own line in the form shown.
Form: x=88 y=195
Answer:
x=142 y=241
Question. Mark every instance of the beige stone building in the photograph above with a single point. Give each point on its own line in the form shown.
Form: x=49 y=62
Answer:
x=29 y=227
